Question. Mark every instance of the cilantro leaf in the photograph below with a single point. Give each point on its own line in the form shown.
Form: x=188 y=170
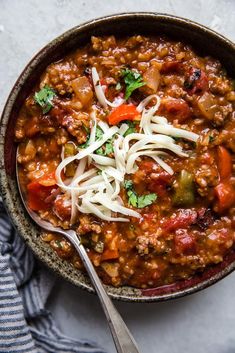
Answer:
x=133 y=80
x=44 y=98
x=98 y=136
x=131 y=128
x=128 y=184
x=100 y=151
x=107 y=148
x=146 y=200
x=133 y=198
x=99 y=133
x=136 y=200
x=85 y=144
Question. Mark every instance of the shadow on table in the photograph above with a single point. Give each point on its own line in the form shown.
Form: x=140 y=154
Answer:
x=199 y=323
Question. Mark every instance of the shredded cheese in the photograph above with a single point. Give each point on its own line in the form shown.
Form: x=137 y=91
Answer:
x=98 y=179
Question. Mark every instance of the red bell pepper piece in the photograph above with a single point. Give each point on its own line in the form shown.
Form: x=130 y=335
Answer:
x=225 y=194
x=39 y=190
x=123 y=112
x=224 y=163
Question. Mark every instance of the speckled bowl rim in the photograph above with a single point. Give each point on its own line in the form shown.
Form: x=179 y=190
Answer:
x=30 y=232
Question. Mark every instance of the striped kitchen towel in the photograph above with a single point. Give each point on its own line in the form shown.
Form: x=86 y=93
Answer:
x=25 y=325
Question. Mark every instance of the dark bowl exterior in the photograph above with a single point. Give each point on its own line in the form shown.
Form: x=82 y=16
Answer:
x=204 y=40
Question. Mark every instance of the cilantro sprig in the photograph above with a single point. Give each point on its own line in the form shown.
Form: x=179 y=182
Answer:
x=107 y=147
x=99 y=133
x=133 y=80
x=136 y=200
x=44 y=98
x=131 y=129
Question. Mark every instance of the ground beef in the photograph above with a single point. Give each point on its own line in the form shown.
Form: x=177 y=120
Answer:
x=60 y=75
x=99 y=44
x=205 y=179
x=87 y=225
x=227 y=135
x=77 y=125
x=146 y=244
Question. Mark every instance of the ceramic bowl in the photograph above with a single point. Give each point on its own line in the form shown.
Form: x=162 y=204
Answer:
x=206 y=41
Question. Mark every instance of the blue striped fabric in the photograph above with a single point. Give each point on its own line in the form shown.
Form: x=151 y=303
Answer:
x=25 y=324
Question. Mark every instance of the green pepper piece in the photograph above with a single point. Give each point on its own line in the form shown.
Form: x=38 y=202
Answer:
x=70 y=150
x=184 y=192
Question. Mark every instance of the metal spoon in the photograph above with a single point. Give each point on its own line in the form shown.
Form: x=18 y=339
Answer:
x=124 y=342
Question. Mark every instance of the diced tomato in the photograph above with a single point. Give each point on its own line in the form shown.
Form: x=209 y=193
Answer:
x=224 y=163
x=37 y=194
x=162 y=177
x=225 y=194
x=159 y=182
x=176 y=109
x=62 y=208
x=109 y=255
x=159 y=189
x=196 y=81
x=148 y=166
x=184 y=243
x=123 y=112
x=183 y=219
x=171 y=66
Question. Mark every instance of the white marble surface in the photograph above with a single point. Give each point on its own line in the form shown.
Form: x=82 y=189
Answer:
x=201 y=323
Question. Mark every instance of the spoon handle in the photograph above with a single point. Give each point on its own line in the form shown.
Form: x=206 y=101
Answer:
x=122 y=337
